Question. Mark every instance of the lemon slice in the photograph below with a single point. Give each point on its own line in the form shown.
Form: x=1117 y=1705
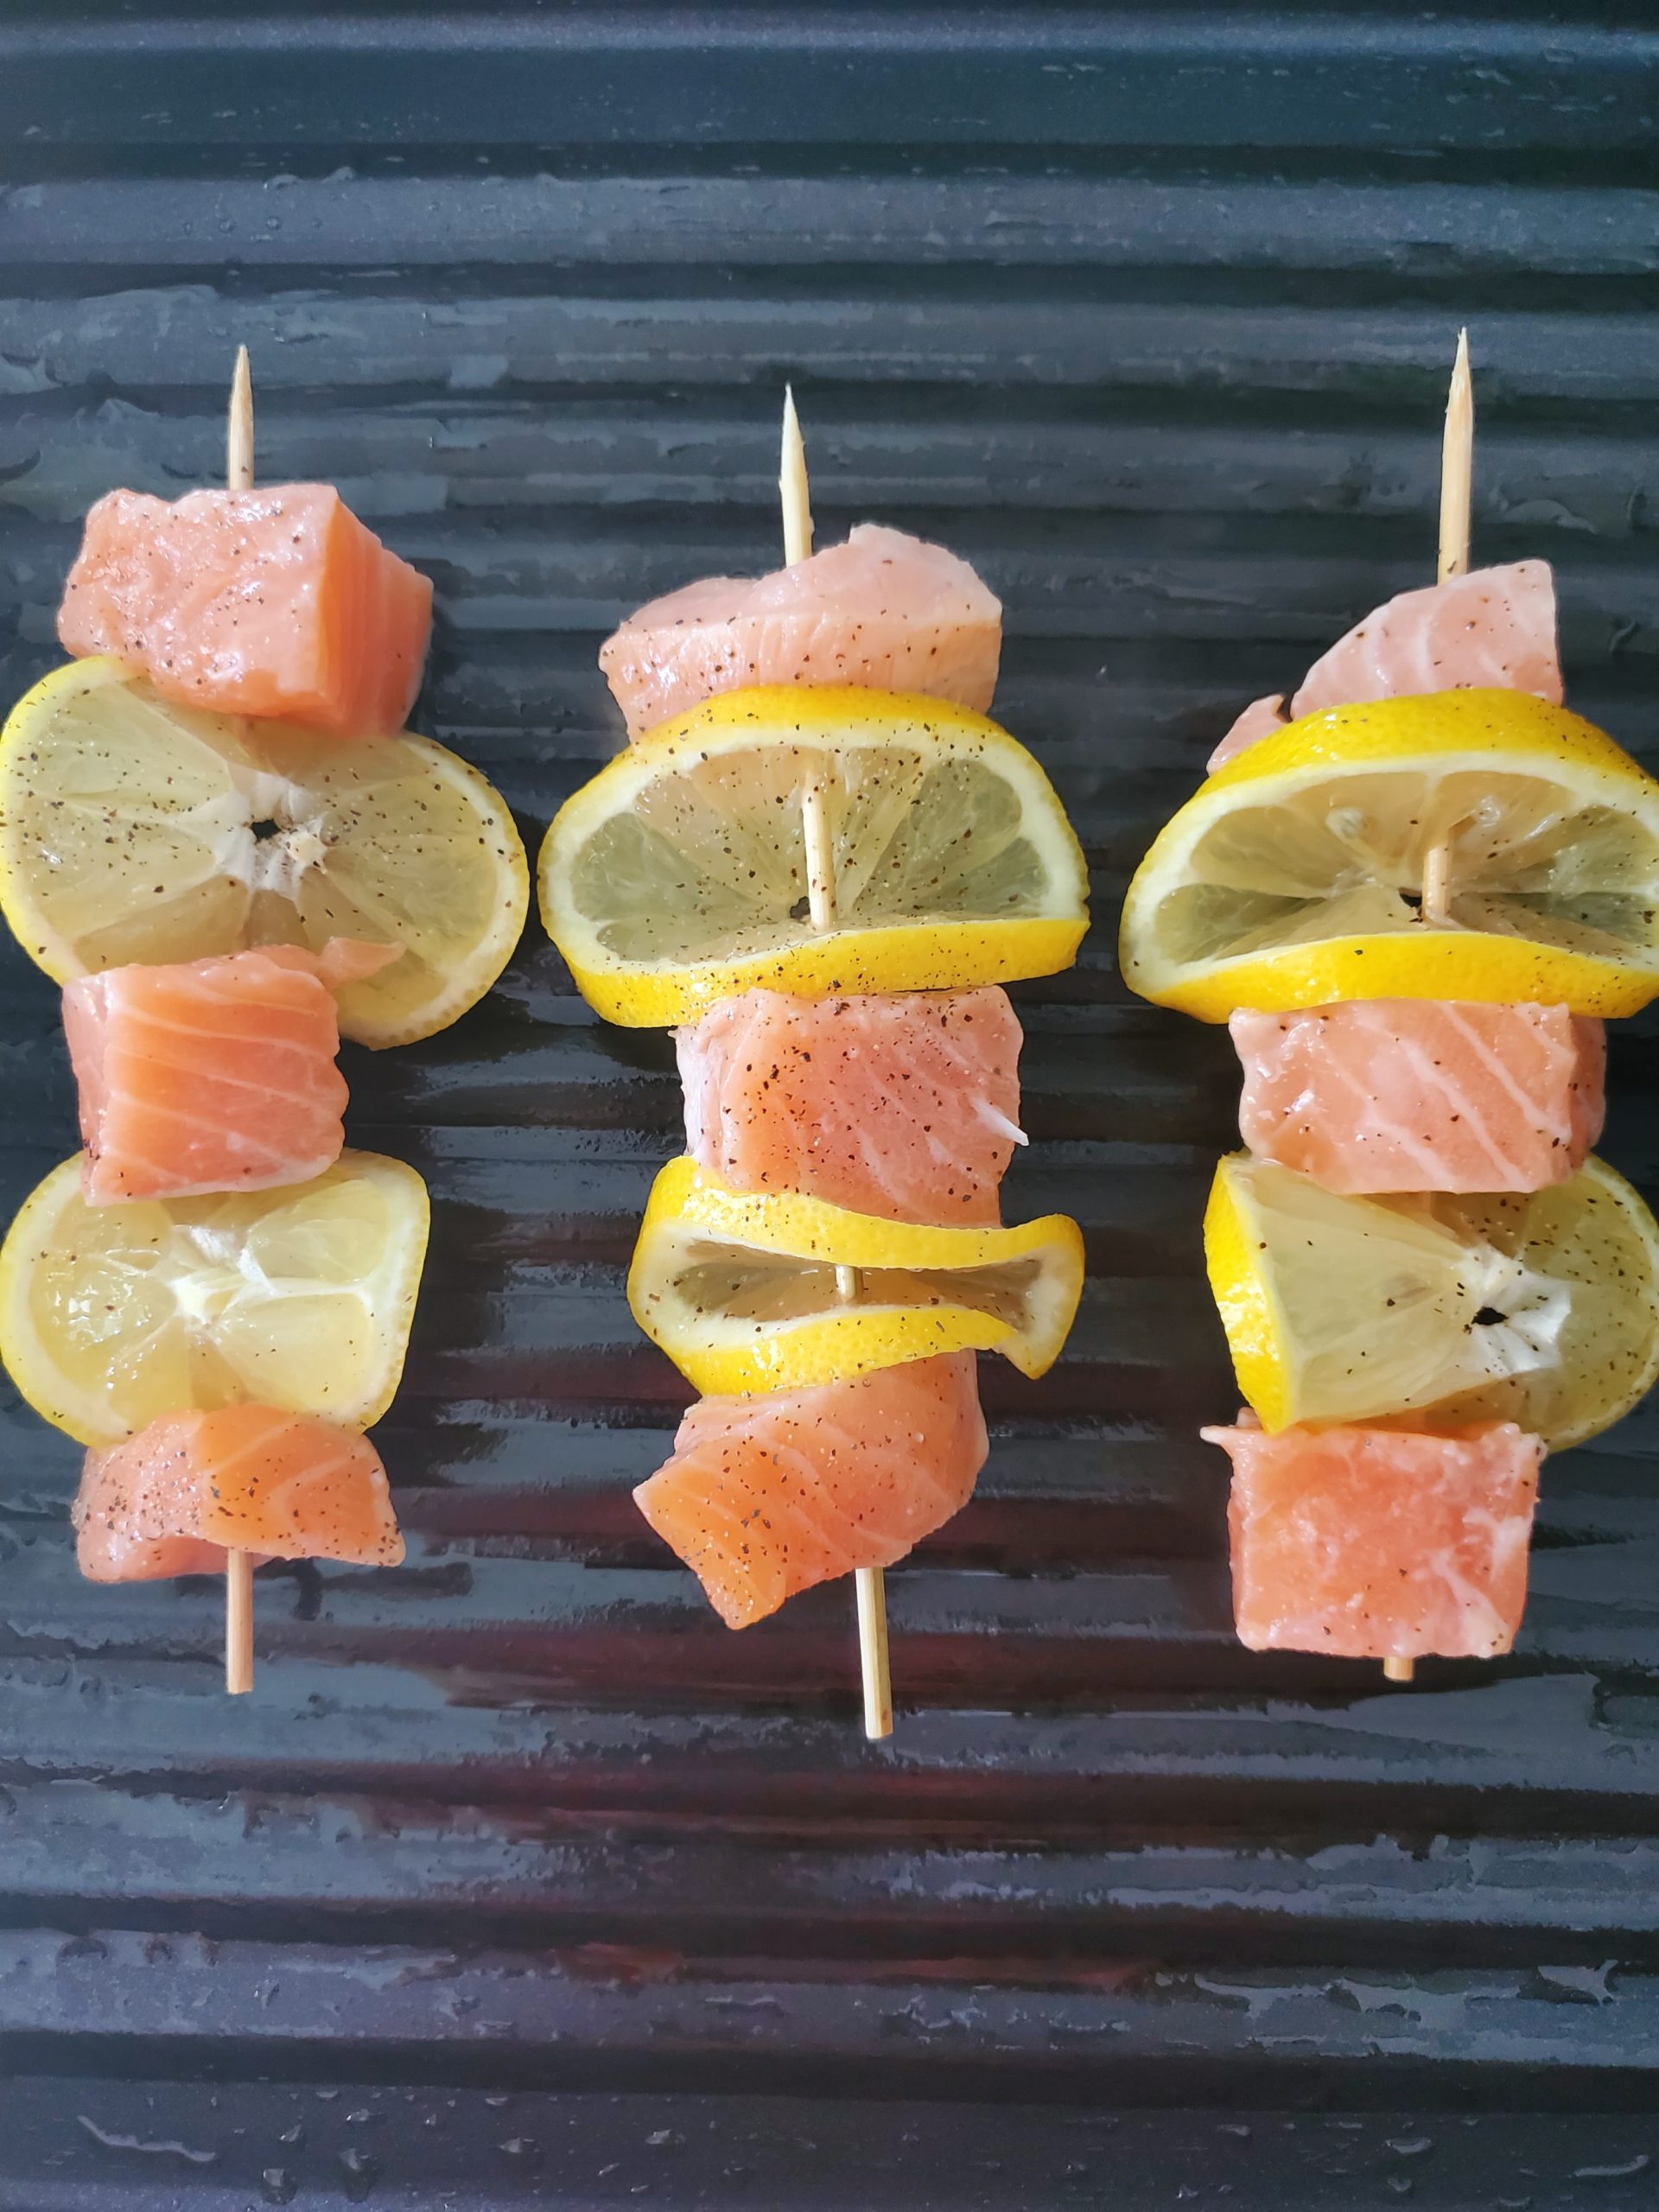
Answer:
x=1541 y=1309
x=678 y=875
x=131 y=830
x=299 y=1298
x=739 y=1289
x=1297 y=874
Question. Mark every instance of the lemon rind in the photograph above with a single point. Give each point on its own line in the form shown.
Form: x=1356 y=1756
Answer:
x=908 y=957
x=1476 y=966
x=837 y=1348
x=1249 y=1313
x=1367 y=732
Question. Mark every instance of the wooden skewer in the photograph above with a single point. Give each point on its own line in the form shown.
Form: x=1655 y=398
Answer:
x=238 y=1565
x=1437 y=889
x=869 y=1582
x=1457 y=492
x=792 y=487
x=238 y=1623
x=1457 y=466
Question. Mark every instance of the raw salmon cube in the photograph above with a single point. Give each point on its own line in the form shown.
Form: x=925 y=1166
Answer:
x=194 y=1485
x=276 y=602
x=1380 y=1543
x=1492 y=628
x=211 y=1074
x=905 y=1106
x=884 y=609
x=767 y=1496
x=1382 y=1094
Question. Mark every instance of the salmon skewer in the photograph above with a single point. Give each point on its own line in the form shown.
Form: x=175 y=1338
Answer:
x=900 y=1108
x=1392 y=1539
x=847 y=1113
x=213 y=1079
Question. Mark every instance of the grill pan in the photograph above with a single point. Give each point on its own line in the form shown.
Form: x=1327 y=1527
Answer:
x=520 y=1880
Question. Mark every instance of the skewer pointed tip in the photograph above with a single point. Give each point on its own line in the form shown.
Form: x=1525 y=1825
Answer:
x=239 y=426
x=1457 y=466
x=792 y=487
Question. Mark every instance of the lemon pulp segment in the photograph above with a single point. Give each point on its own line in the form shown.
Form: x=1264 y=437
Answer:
x=1297 y=874
x=739 y=1289
x=131 y=830
x=299 y=1297
x=1541 y=1308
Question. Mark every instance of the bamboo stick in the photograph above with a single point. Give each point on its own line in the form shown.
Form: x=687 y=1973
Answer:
x=869 y=1582
x=1457 y=466
x=792 y=487
x=1457 y=494
x=238 y=1623
x=1457 y=491
x=238 y=427
x=238 y=1565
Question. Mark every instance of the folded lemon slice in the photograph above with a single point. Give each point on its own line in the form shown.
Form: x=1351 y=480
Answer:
x=1541 y=1309
x=1460 y=845
x=678 y=875
x=739 y=1290
x=299 y=1298
x=131 y=830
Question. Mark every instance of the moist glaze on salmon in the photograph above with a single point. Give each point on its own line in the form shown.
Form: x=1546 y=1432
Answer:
x=1383 y=1095
x=211 y=1074
x=905 y=1106
x=194 y=1485
x=884 y=609
x=767 y=1496
x=277 y=602
x=1493 y=627
x=1379 y=1543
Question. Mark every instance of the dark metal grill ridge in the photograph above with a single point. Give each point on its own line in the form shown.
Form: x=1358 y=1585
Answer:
x=521 y=1880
